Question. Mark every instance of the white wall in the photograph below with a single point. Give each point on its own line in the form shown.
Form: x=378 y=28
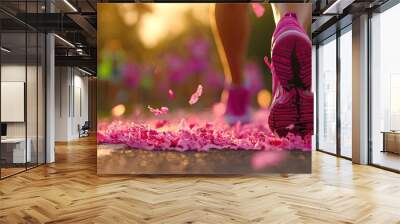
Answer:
x=33 y=126
x=14 y=73
x=71 y=94
x=80 y=111
x=62 y=81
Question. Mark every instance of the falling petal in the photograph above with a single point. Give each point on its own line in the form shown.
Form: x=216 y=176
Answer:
x=164 y=110
x=258 y=9
x=171 y=94
x=195 y=96
x=157 y=112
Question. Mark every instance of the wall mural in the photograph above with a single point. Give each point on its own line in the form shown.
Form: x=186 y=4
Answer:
x=194 y=88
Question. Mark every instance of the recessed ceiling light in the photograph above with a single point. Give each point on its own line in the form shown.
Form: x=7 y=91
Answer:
x=338 y=6
x=64 y=40
x=84 y=71
x=70 y=5
x=5 y=50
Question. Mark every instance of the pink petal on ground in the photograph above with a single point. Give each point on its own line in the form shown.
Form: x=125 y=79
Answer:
x=195 y=96
x=160 y=123
x=157 y=112
x=171 y=94
x=261 y=160
x=192 y=125
x=258 y=9
x=183 y=124
x=201 y=132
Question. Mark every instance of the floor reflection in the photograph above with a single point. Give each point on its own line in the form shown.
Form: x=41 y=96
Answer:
x=118 y=159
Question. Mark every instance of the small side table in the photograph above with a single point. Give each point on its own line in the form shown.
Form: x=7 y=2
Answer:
x=391 y=141
x=14 y=148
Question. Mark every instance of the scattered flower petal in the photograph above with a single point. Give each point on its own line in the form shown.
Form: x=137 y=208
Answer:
x=195 y=96
x=171 y=94
x=157 y=112
x=183 y=124
x=258 y=9
x=160 y=123
x=206 y=133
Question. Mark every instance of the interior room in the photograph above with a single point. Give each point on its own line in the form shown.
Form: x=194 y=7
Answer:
x=22 y=99
x=334 y=56
x=53 y=93
x=385 y=86
x=72 y=94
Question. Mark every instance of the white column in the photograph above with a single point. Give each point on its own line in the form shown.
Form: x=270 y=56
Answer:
x=360 y=90
x=50 y=99
x=50 y=92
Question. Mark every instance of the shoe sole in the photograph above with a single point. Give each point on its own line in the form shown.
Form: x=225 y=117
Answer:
x=297 y=110
x=292 y=44
x=293 y=48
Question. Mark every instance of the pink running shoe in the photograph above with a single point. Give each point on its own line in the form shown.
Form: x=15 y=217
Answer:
x=292 y=105
x=238 y=106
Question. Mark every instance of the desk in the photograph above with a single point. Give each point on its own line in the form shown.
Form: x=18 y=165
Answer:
x=391 y=141
x=15 y=148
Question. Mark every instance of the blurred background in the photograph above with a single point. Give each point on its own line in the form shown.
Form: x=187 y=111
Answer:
x=146 y=49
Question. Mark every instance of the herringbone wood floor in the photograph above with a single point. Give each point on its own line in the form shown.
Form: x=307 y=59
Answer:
x=69 y=191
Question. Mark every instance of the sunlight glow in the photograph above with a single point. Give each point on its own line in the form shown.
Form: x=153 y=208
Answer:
x=167 y=20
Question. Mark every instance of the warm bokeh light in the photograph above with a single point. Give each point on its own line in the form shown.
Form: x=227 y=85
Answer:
x=167 y=20
x=118 y=110
x=128 y=13
x=264 y=98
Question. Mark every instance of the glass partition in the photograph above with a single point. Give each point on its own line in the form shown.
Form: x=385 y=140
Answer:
x=327 y=96
x=15 y=150
x=385 y=89
x=22 y=91
x=346 y=93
